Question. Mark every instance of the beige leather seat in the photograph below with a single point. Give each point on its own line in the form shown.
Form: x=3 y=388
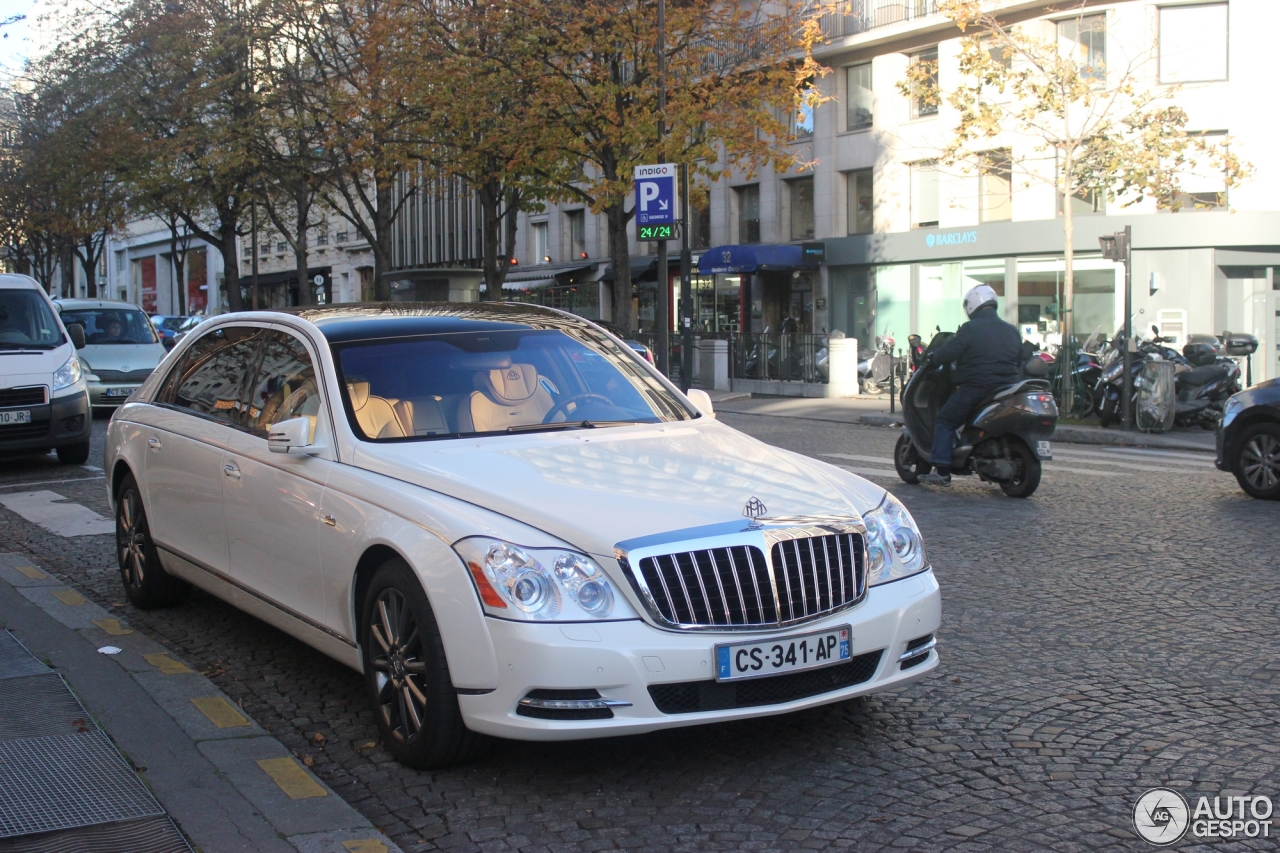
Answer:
x=422 y=416
x=376 y=415
x=504 y=396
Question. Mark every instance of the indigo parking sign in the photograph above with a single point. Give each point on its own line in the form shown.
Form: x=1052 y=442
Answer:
x=657 y=198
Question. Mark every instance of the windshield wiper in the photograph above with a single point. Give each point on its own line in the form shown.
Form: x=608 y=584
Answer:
x=27 y=347
x=567 y=425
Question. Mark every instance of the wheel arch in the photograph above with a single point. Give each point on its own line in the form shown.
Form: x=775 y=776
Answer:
x=370 y=561
x=118 y=472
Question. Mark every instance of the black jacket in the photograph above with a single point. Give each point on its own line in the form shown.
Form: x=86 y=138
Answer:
x=987 y=351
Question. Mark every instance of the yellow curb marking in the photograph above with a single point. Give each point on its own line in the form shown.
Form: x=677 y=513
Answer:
x=112 y=627
x=291 y=778
x=32 y=572
x=69 y=597
x=166 y=664
x=365 y=845
x=220 y=712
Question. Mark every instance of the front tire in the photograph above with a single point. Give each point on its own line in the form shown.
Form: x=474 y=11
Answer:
x=406 y=674
x=907 y=461
x=145 y=581
x=1257 y=462
x=74 y=454
x=1027 y=479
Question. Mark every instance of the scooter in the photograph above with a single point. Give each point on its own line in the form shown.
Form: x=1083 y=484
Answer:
x=1003 y=442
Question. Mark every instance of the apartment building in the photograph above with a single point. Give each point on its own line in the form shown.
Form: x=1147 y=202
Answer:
x=903 y=237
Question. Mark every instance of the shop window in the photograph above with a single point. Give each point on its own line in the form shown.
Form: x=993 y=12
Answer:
x=995 y=186
x=1193 y=43
x=859 y=97
x=748 y=213
x=925 y=95
x=924 y=195
x=801 y=198
x=1084 y=39
x=861 y=202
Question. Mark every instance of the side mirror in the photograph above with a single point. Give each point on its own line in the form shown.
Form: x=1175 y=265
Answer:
x=293 y=436
x=168 y=343
x=76 y=332
x=702 y=401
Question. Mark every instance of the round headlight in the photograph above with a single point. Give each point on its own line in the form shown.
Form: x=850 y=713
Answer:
x=905 y=543
x=593 y=596
x=530 y=590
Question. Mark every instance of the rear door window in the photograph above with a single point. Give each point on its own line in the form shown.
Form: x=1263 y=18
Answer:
x=210 y=378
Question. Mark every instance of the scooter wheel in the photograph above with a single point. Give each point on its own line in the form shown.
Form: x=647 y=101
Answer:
x=908 y=462
x=1027 y=480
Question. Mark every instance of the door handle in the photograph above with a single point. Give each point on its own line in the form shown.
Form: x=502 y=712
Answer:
x=231 y=470
x=153 y=443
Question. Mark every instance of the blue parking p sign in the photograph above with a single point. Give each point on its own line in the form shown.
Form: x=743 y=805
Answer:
x=657 y=198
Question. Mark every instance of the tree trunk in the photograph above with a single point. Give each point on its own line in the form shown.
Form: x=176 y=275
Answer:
x=89 y=263
x=179 y=262
x=490 y=236
x=620 y=256
x=302 y=205
x=231 y=269
x=1066 y=357
x=383 y=218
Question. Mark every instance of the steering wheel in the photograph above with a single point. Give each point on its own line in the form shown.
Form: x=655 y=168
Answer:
x=564 y=404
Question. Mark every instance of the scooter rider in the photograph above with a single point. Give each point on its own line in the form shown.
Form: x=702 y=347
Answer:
x=987 y=353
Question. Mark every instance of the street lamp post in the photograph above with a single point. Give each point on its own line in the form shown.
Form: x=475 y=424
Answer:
x=1119 y=247
x=663 y=311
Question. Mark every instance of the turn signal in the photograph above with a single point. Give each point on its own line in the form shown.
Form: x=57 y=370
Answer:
x=488 y=594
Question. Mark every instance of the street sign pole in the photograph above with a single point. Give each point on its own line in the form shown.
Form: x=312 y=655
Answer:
x=1119 y=247
x=663 y=312
x=686 y=286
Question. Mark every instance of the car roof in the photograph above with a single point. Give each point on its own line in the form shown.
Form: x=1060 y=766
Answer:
x=17 y=281
x=85 y=304
x=364 y=321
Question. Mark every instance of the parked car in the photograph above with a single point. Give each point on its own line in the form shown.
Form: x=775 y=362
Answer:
x=642 y=350
x=168 y=325
x=121 y=347
x=1249 y=439
x=187 y=325
x=44 y=402
x=509 y=527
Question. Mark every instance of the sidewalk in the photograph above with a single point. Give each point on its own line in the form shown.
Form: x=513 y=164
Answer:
x=125 y=745
x=874 y=411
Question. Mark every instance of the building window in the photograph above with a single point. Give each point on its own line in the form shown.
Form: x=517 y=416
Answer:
x=995 y=186
x=700 y=225
x=541 y=243
x=924 y=83
x=861 y=202
x=281 y=247
x=1200 y=185
x=1082 y=202
x=860 y=98
x=924 y=195
x=801 y=198
x=1085 y=40
x=1193 y=43
x=802 y=115
x=576 y=230
x=342 y=237
x=322 y=238
x=999 y=52
x=748 y=213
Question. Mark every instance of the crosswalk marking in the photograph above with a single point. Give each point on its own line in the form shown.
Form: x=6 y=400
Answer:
x=1054 y=469
x=853 y=457
x=1198 y=462
x=871 y=472
x=51 y=511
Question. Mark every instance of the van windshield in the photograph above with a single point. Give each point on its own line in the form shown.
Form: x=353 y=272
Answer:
x=112 y=325
x=27 y=321
x=497 y=382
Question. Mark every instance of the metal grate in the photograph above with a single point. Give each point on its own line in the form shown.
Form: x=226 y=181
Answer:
x=15 y=660
x=67 y=781
x=735 y=586
x=31 y=396
x=13 y=432
x=690 y=697
x=149 y=835
x=121 y=376
x=39 y=705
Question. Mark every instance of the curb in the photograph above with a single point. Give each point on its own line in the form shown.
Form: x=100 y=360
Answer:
x=1081 y=435
x=226 y=782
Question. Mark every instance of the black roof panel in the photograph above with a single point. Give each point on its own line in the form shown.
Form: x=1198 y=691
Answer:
x=366 y=320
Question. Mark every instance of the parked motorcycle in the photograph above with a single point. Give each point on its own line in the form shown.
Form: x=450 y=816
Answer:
x=1003 y=442
x=1210 y=379
x=873 y=372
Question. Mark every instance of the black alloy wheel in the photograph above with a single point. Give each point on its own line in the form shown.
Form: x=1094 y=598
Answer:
x=406 y=674
x=1027 y=479
x=908 y=462
x=146 y=582
x=1257 y=463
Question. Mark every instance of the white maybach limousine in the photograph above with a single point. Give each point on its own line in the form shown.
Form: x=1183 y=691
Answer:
x=510 y=524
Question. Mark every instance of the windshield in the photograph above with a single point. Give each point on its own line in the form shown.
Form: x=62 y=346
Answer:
x=496 y=382
x=27 y=321
x=171 y=324
x=112 y=325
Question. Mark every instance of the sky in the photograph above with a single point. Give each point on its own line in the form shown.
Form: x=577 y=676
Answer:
x=14 y=44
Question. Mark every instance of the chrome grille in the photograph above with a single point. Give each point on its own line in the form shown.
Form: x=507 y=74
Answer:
x=734 y=586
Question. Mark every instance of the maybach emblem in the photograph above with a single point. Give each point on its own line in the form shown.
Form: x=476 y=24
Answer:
x=513 y=376
x=754 y=509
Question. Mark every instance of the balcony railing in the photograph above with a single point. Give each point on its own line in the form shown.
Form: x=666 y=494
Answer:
x=854 y=17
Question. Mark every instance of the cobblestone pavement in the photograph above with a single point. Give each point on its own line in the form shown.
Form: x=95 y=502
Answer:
x=1112 y=633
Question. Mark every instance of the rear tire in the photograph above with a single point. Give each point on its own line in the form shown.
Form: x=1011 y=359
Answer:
x=1257 y=461
x=907 y=461
x=145 y=581
x=74 y=454
x=1027 y=480
x=406 y=674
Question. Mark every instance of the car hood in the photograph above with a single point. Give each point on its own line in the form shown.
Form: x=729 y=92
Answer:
x=595 y=488
x=122 y=357
x=19 y=369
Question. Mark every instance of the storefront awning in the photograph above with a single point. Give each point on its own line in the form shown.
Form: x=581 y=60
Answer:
x=740 y=259
x=527 y=283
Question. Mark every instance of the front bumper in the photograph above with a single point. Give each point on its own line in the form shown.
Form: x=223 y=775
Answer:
x=621 y=660
x=110 y=394
x=66 y=420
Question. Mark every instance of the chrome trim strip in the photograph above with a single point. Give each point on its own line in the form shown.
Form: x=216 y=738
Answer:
x=918 y=651
x=574 y=704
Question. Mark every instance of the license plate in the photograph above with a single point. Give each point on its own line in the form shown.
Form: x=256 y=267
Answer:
x=118 y=392
x=787 y=654
x=21 y=417
x=1043 y=451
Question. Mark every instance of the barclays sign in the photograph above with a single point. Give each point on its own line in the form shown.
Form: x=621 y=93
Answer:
x=950 y=238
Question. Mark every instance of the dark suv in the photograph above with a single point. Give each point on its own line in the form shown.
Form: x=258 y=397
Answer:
x=1249 y=439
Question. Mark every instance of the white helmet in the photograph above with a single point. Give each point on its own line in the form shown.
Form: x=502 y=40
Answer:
x=978 y=297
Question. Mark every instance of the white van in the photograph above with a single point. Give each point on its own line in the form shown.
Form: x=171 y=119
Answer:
x=44 y=402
